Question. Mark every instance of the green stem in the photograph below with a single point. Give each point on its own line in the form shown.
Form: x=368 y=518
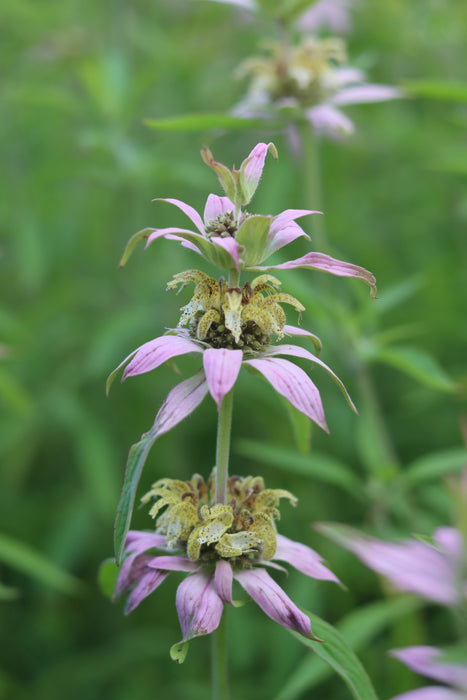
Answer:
x=224 y=425
x=312 y=182
x=220 y=689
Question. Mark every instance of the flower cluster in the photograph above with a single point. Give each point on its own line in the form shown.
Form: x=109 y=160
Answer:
x=216 y=544
x=311 y=78
x=224 y=530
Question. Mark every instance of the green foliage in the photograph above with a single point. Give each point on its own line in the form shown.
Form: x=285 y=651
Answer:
x=81 y=168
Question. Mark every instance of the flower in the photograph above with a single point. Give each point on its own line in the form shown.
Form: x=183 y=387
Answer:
x=435 y=571
x=230 y=238
x=428 y=661
x=216 y=544
x=231 y=328
x=309 y=79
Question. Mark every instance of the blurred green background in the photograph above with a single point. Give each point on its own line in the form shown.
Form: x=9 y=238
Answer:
x=80 y=170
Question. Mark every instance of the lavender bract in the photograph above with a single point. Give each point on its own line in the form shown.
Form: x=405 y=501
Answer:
x=434 y=571
x=236 y=240
x=428 y=661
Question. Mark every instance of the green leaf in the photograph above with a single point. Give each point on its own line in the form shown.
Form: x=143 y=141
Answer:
x=253 y=234
x=334 y=650
x=358 y=628
x=107 y=577
x=203 y=122
x=438 y=90
x=435 y=465
x=417 y=364
x=179 y=403
x=179 y=651
x=136 y=460
x=8 y=593
x=24 y=558
x=316 y=465
x=133 y=242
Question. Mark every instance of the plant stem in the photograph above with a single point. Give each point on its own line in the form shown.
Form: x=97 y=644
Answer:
x=312 y=182
x=224 y=425
x=220 y=689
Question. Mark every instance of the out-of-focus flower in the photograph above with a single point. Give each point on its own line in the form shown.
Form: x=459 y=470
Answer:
x=333 y=15
x=231 y=328
x=309 y=80
x=216 y=544
x=233 y=239
x=435 y=570
x=429 y=662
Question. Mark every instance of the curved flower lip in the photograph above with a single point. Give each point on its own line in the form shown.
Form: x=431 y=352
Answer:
x=411 y=565
x=222 y=366
x=201 y=596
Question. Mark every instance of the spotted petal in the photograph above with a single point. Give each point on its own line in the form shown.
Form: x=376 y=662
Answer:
x=221 y=367
x=302 y=558
x=156 y=352
x=294 y=384
x=199 y=606
x=297 y=351
x=320 y=261
x=273 y=600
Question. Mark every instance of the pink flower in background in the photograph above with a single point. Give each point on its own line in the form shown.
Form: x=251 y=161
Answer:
x=429 y=662
x=309 y=79
x=334 y=15
x=434 y=571
x=208 y=587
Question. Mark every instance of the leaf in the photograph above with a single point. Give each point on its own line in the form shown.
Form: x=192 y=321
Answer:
x=29 y=561
x=301 y=427
x=334 y=650
x=134 y=467
x=318 y=465
x=179 y=403
x=417 y=364
x=358 y=628
x=438 y=90
x=107 y=577
x=435 y=465
x=179 y=651
x=203 y=122
x=133 y=242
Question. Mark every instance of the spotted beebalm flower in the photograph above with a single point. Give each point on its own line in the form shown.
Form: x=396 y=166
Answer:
x=435 y=570
x=232 y=239
x=430 y=662
x=231 y=328
x=309 y=79
x=216 y=544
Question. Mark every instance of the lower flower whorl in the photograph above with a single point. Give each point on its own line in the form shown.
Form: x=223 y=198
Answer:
x=242 y=531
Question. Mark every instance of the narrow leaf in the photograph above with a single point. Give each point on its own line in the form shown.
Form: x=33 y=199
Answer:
x=434 y=466
x=334 y=650
x=202 y=122
x=133 y=242
x=438 y=90
x=180 y=402
x=416 y=364
x=358 y=628
x=316 y=465
x=29 y=561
